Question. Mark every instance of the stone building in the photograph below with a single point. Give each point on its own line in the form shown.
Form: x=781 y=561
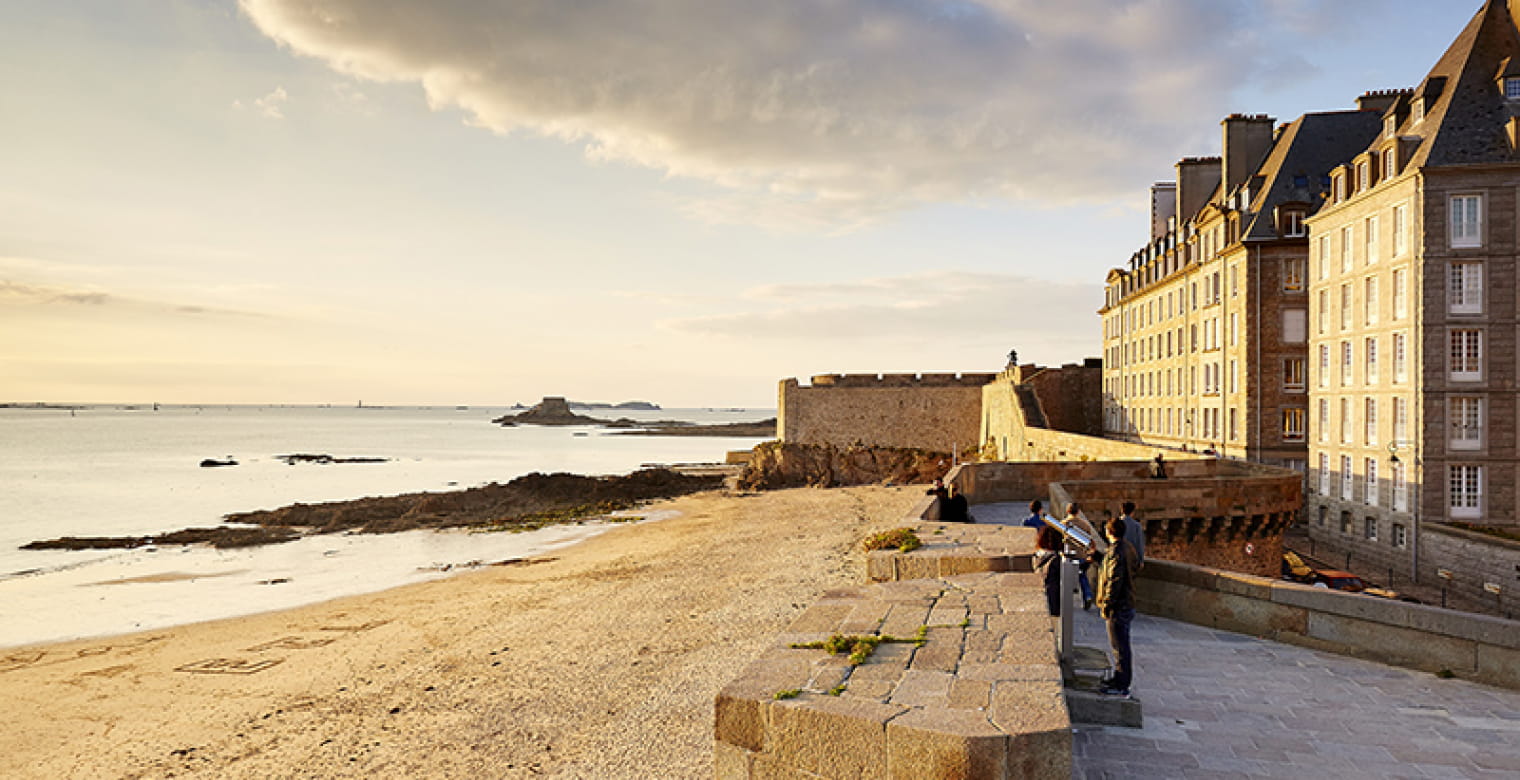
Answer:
x=1414 y=312
x=1205 y=330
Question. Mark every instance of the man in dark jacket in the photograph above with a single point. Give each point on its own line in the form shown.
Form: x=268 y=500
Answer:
x=1116 y=602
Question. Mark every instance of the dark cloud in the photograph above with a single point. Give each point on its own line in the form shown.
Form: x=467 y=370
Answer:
x=825 y=110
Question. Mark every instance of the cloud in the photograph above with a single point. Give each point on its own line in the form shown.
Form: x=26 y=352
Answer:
x=17 y=294
x=825 y=112
x=268 y=106
x=919 y=308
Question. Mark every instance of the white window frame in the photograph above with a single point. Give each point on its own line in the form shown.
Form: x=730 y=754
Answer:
x=1370 y=423
x=1400 y=294
x=1370 y=300
x=1370 y=483
x=1322 y=316
x=1294 y=271
x=1466 y=415
x=1324 y=474
x=1324 y=365
x=1400 y=480
x=1400 y=358
x=1348 y=249
x=1347 y=421
x=1294 y=380
x=1348 y=480
x=1348 y=303
x=1324 y=420
x=1370 y=240
x=1348 y=363
x=1464 y=288
x=1370 y=526
x=1325 y=255
x=1400 y=419
x=1466 y=220
x=1400 y=229
x=1465 y=355
x=1464 y=491
x=1370 y=360
x=1293 y=424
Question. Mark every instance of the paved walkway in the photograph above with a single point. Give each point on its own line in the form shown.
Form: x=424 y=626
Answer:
x=1221 y=705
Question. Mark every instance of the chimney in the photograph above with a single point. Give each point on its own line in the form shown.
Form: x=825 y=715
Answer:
x=1163 y=207
x=1381 y=100
x=1247 y=139
x=1197 y=178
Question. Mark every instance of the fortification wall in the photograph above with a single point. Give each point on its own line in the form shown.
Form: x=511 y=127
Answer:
x=937 y=412
x=1029 y=398
x=1071 y=397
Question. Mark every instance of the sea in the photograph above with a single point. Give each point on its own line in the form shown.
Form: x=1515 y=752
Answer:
x=117 y=470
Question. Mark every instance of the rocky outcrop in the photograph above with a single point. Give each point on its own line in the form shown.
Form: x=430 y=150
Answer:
x=528 y=502
x=677 y=428
x=553 y=410
x=775 y=465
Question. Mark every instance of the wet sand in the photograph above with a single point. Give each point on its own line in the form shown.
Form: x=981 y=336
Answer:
x=597 y=661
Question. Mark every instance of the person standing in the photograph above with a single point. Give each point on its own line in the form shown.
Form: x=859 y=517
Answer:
x=1075 y=518
x=956 y=509
x=1134 y=533
x=1047 y=558
x=1116 y=603
x=1036 y=518
x=937 y=507
x=1158 y=468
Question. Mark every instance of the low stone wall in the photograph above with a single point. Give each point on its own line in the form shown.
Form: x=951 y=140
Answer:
x=1475 y=561
x=954 y=548
x=980 y=697
x=1415 y=636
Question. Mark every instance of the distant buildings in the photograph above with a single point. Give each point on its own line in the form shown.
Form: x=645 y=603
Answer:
x=1340 y=295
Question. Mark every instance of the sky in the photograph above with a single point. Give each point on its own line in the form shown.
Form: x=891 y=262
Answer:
x=680 y=201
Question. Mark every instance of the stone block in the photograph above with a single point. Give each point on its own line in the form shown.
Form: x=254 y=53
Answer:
x=1244 y=585
x=831 y=736
x=730 y=762
x=865 y=618
x=881 y=565
x=969 y=563
x=1246 y=615
x=996 y=672
x=1019 y=707
x=764 y=767
x=1354 y=605
x=922 y=689
x=739 y=716
x=945 y=744
x=820 y=618
x=1498 y=666
x=1039 y=755
x=1095 y=709
x=969 y=694
x=917 y=565
x=1479 y=628
x=942 y=653
x=946 y=615
x=904 y=620
x=1393 y=644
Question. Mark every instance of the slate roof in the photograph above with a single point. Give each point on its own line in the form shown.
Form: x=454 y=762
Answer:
x=1297 y=168
x=1465 y=108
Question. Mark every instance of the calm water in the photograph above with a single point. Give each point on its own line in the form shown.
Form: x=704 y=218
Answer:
x=111 y=471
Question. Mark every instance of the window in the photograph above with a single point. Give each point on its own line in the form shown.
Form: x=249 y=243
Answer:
x=1370 y=487
x=1348 y=479
x=1348 y=258
x=1466 y=220
x=1400 y=294
x=1324 y=365
x=1324 y=514
x=1346 y=421
x=1234 y=425
x=1464 y=288
x=1346 y=376
x=1324 y=257
x=1400 y=487
x=1370 y=360
x=1292 y=223
x=1370 y=300
x=1369 y=427
x=1465 y=491
x=1419 y=111
x=1346 y=306
x=1345 y=522
x=1400 y=420
x=1234 y=323
x=1369 y=527
x=1400 y=359
x=1512 y=88
x=1371 y=239
x=1234 y=288
x=1400 y=536
x=1293 y=375
x=1466 y=414
x=1293 y=424
x=1234 y=377
x=1466 y=355
x=1323 y=313
x=1295 y=326
x=1324 y=479
x=1390 y=158
x=1324 y=420
x=1400 y=230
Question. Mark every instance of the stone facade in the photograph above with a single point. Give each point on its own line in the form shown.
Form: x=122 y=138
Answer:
x=1029 y=398
x=935 y=412
x=1414 y=323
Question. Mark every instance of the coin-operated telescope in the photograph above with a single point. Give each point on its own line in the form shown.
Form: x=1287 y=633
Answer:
x=1074 y=536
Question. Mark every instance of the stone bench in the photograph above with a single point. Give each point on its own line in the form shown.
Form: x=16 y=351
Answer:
x=980 y=696
x=955 y=548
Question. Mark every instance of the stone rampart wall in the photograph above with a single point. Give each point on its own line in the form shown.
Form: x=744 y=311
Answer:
x=1071 y=397
x=1415 y=636
x=935 y=412
x=1475 y=561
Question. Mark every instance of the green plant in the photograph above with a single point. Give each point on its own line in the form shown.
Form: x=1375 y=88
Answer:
x=836 y=690
x=902 y=538
x=790 y=693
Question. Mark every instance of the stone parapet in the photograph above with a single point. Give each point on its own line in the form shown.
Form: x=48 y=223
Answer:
x=979 y=697
x=1415 y=636
x=955 y=548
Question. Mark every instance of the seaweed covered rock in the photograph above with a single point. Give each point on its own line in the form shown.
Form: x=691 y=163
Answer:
x=775 y=465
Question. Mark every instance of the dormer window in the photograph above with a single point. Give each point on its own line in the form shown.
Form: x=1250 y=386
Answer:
x=1390 y=125
x=1363 y=176
x=1340 y=187
x=1419 y=111
x=1390 y=163
x=1512 y=88
x=1291 y=223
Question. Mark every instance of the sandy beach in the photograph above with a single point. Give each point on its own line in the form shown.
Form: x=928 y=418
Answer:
x=597 y=661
